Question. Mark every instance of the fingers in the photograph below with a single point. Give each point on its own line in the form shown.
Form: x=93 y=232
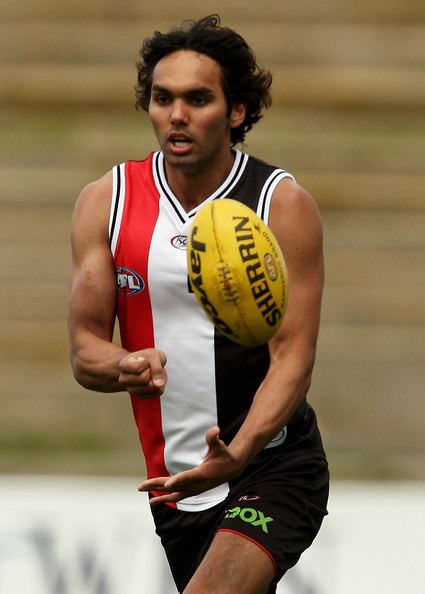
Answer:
x=145 y=392
x=159 y=484
x=134 y=363
x=155 y=484
x=212 y=436
x=213 y=471
x=168 y=483
x=157 y=361
x=216 y=446
x=168 y=498
x=143 y=374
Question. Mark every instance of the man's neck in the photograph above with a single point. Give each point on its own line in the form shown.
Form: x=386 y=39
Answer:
x=193 y=187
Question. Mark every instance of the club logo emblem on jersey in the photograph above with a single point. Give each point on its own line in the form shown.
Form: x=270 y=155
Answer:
x=129 y=281
x=179 y=242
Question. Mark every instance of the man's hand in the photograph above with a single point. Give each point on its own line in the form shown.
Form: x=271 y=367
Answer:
x=218 y=467
x=143 y=373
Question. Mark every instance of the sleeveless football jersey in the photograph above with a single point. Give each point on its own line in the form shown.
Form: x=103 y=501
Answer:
x=211 y=380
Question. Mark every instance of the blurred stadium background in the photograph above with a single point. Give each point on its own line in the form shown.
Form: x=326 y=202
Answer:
x=347 y=120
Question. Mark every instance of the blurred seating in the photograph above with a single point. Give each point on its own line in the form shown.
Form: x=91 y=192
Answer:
x=348 y=119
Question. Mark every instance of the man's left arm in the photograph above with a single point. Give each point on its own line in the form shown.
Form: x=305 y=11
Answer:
x=295 y=221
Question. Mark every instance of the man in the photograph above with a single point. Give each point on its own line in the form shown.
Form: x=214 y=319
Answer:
x=237 y=476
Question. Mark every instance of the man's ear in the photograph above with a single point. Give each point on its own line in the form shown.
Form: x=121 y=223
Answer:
x=237 y=115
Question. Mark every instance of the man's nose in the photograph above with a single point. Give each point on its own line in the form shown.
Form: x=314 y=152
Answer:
x=179 y=114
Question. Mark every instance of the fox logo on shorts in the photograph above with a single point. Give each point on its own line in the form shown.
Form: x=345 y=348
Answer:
x=250 y=516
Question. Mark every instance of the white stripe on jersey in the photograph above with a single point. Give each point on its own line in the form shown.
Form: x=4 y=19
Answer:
x=263 y=208
x=117 y=204
x=183 y=332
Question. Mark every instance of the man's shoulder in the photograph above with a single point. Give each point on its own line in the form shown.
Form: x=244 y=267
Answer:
x=258 y=183
x=97 y=190
x=93 y=204
x=294 y=209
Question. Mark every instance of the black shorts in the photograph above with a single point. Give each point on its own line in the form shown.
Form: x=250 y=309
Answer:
x=278 y=503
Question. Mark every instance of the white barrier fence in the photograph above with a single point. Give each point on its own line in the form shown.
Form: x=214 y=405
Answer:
x=63 y=535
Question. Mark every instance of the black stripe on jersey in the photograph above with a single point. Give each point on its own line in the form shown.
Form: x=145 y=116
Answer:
x=239 y=372
x=164 y=189
x=116 y=198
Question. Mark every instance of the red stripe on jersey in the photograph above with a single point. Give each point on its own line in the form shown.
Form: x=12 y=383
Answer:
x=141 y=209
x=147 y=414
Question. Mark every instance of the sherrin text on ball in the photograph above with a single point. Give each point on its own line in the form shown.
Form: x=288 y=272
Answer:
x=237 y=271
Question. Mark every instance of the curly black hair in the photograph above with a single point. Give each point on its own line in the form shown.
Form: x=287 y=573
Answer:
x=242 y=79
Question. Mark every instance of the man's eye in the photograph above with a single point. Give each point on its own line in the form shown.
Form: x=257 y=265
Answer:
x=199 y=101
x=161 y=99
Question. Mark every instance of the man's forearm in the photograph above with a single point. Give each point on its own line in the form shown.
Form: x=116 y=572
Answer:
x=95 y=364
x=280 y=394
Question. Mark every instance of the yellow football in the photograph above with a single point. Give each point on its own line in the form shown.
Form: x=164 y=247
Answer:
x=237 y=271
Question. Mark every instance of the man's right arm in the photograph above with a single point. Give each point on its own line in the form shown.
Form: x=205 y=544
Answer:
x=98 y=363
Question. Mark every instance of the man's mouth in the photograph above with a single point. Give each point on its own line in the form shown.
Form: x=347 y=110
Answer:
x=179 y=141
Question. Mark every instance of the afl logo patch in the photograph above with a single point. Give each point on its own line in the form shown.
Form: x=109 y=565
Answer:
x=129 y=281
x=179 y=242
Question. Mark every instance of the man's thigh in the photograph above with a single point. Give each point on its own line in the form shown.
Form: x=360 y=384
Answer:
x=186 y=537
x=233 y=564
x=275 y=508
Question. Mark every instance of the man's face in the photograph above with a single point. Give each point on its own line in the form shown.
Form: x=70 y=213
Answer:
x=189 y=112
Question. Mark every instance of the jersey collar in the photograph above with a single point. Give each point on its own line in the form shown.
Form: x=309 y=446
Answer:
x=172 y=203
